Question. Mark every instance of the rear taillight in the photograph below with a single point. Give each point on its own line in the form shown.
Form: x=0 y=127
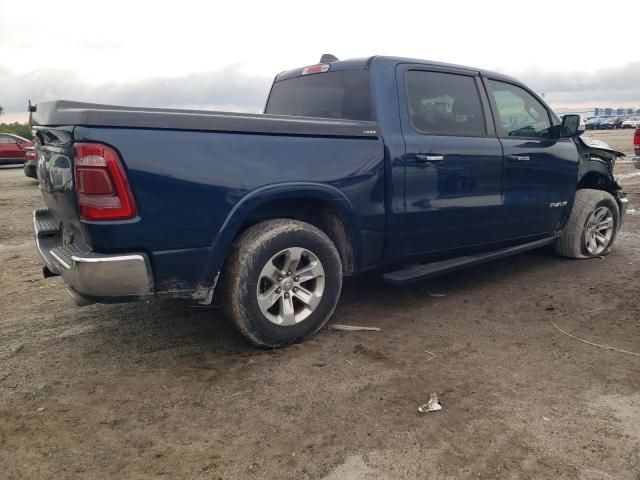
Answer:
x=102 y=189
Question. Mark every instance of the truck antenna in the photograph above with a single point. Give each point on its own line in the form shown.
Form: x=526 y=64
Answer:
x=328 y=58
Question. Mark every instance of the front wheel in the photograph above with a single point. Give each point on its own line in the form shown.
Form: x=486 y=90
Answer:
x=281 y=282
x=592 y=227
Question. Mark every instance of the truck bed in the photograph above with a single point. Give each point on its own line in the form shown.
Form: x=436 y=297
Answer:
x=199 y=177
x=64 y=112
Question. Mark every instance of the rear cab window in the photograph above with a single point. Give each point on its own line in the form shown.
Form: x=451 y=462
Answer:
x=343 y=94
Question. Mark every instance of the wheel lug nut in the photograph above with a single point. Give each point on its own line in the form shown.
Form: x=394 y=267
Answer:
x=288 y=274
x=295 y=289
x=286 y=295
x=279 y=279
x=297 y=279
x=278 y=290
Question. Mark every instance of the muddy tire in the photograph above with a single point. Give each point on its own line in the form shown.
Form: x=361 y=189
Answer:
x=281 y=282
x=592 y=227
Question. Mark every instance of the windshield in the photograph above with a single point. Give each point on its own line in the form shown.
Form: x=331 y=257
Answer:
x=342 y=94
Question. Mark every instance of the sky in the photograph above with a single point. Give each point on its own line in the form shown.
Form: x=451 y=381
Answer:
x=223 y=55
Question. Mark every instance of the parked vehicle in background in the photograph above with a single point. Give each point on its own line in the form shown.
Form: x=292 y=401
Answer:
x=403 y=166
x=612 y=122
x=620 y=120
x=13 y=148
x=594 y=123
x=632 y=122
x=30 y=164
x=636 y=141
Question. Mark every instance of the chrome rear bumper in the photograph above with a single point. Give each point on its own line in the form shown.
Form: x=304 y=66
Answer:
x=91 y=277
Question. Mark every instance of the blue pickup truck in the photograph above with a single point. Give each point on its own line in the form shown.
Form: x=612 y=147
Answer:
x=407 y=167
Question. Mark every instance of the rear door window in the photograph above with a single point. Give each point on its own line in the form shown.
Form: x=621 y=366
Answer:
x=444 y=104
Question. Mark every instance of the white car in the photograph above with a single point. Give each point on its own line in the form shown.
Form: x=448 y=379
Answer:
x=633 y=122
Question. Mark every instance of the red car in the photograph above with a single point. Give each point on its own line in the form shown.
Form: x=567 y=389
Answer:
x=13 y=149
x=30 y=163
x=636 y=141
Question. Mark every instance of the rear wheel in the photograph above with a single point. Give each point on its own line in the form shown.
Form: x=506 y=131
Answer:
x=592 y=227
x=282 y=282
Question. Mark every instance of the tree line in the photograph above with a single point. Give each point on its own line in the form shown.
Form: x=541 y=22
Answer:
x=21 y=129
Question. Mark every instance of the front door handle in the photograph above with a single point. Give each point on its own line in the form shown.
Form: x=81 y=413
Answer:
x=422 y=157
x=518 y=158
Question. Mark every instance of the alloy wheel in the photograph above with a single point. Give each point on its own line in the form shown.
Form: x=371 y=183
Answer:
x=290 y=286
x=599 y=230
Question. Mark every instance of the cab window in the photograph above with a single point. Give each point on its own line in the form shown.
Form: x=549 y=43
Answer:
x=342 y=94
x=444 y=104
x=519 y=114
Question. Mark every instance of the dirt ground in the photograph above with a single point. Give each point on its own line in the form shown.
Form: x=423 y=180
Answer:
x=168 y=390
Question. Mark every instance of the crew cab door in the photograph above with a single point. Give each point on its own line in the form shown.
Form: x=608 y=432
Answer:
x=453 y=160
x=540 y=171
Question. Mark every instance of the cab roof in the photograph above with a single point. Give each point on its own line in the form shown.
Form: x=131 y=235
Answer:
x=365 y=63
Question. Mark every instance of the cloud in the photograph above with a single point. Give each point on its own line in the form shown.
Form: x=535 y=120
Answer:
x=619 y=86
x=232 y=89
x=227 y=88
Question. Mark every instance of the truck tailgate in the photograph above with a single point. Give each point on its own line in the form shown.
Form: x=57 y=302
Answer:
x=55 y=175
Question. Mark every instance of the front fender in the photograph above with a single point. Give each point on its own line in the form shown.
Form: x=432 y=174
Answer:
x=260 y=196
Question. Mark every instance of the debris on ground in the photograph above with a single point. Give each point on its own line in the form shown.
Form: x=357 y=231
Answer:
x=593 y=343
x=320 y=364
x=241 y=393
x=433 y=355
x=436 y=295
x=351 y=328
x=432 y=405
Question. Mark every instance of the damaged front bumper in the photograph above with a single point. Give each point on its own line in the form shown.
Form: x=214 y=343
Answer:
x=623 y=202
x=91 y=277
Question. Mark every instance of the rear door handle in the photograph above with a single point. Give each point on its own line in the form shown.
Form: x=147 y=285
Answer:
x=422 y=157
x=518 y=158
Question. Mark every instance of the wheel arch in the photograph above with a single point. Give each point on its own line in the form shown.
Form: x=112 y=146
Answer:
x=598 y=181
x=332 y=212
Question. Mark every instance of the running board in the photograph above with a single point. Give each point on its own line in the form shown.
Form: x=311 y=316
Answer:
x=420 y=272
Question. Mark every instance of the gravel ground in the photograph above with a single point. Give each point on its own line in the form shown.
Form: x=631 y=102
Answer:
x=168 y=390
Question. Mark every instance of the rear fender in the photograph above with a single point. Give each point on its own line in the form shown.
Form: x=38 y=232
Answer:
x=261 y=196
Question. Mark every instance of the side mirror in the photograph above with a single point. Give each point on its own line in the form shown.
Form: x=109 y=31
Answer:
x=572 y=126
x=19 y=143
